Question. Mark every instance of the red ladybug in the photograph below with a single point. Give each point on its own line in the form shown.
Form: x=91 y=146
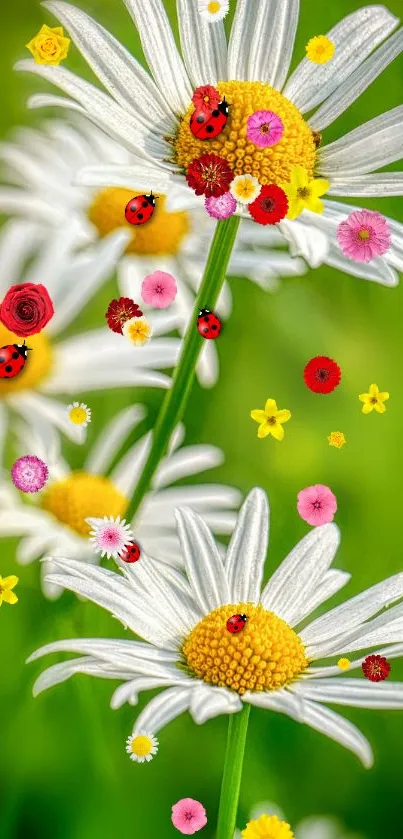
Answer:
x=140 y=209
x=208 y=324
x=131 y=552
x=204 y=126
x=12 y=360
x=236 y=623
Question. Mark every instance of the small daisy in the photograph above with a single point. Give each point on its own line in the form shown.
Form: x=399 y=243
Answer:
x=142 y=746
x=213 y=10
x=344 y=663
x=374 y=400
x=29 y=473
x=109 y=536
x=189 y=652
x=137 y=331
x=245 y=188
x=336 y=439
x=265 y=128
x=159 y=289
x=79 y=414
x=364 y=235
x=188 y=816
x=222 y=207
x=320 y=49
x=6 y=590
x=317 y=505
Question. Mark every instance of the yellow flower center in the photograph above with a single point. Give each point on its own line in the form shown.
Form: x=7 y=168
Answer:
x=364 y=235
x=267 y=827
x=141 y=745
x=213 y=7
x=269 y=165
x=81 y=496
x=264 y=655
x=78 y=416
x=161 y=235
x=303 y=192
x=37 y=366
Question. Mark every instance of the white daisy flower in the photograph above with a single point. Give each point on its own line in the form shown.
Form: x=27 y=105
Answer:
x=212 y=10
x=41 y=169
x=141 y=110
x=270 y=662
x=142 y=747
x=109 y=535
x=57 y=523
x=313 y=827
x=79 y=414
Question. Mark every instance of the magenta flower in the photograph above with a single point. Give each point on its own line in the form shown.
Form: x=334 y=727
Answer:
x=364 y=235
x=222 y=207
x=188 y=816
x=317 y=504
x=265 y=128
x=29 y=473
x=159 y=289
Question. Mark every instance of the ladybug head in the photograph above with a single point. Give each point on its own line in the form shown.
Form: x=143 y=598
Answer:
x=223 y=107
x=204 y=312
x=244 y=618
x=22 y=349
x=150 y=199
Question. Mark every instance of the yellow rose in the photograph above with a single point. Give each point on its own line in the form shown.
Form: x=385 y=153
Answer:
x=49 y=46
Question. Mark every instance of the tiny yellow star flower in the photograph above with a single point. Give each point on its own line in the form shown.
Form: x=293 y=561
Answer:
x=137 y=330
x=344 y=663
x=320 y=49
x=303 y=194
x=271 y=420
x=49 y=46
x=267 y=826
x=373 y=400
x=6 y=594
x=337 y=439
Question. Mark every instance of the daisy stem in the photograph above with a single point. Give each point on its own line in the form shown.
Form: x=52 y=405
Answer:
x=173 y=406
x=231 y=779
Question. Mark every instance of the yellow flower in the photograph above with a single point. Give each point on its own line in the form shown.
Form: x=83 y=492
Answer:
x=271 y=420
x=49 y=46
x=79 y=414
x=373 y=400
x=336 y=439
x=344 y=663
x=303 y=194
x=267 y=827
x=320 y=49
x=6 y=595
x=137 y=330
x=245 y=188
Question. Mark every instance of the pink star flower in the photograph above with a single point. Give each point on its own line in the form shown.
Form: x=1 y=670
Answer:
x=317 y=504
x=159 y=289
x=364 y=235
x=188 y=816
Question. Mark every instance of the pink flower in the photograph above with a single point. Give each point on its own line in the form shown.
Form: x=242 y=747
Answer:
x=265 y=128
x=188 y=816
x=364 y=235
x=222 y=207
x=159 y=289
x=317 y=504
x=29 y=473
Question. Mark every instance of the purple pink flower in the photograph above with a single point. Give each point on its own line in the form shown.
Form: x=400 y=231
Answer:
x=265 y=128
x=364 y=235
x=29 y=473
x=317 y=504
x=222 y=207
x=109 y=536
x=159 y=289
x=188 y=816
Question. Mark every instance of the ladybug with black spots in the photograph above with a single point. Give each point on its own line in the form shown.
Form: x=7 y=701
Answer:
x=140 y=209
x=131 y=552
x=208 y=324
x=205 y=126
x=236 y=623
x=12 y=360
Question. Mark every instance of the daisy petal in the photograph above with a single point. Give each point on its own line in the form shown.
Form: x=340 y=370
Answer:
x=133 y=177
x=377 y=185
x=129 y=691
x=273 y=41
x=355 y=693
x=163 y=708
x=240 y=40
x=117 y=651
x=111 y=439
x=202 y=561
x=371 y=146
x=247 y=549
x=59 y=673
x=332 y=582
x=204 y=47
x=187 y=461
x=208 y=702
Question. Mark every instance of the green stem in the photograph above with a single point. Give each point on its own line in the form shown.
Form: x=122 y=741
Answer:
x=176 y=397
x=231 y=779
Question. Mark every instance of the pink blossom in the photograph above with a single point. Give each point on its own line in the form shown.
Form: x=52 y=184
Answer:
x=188 y=816
x=29 y=473
x=159 y=289
x=317 y=504
x=265 y=128
x=222 y=207
x=364 y=235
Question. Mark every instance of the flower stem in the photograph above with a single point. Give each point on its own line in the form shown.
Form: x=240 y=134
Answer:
x=231 y=779
x=176 y=397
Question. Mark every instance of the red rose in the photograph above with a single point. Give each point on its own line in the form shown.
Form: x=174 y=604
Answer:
x=26 y=309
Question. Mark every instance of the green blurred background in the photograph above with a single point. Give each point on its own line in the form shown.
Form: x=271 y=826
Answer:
x=64 y=772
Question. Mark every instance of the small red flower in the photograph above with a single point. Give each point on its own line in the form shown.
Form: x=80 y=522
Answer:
x=206 y=98
x=270 y=206
x=375 y=668
x=209 y=175
x=322 y=374
x=119 y=311
x=26 y=309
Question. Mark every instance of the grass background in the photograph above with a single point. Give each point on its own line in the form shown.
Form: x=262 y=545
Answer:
x=64 y=772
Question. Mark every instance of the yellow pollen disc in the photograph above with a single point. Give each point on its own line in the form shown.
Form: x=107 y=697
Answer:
x=37 y=366
x=141 y=746
x=267 y=827
x=82 y=496
x=213 y=7
x=77 y=416
x=344 y=663
x=162 y=234
x=364 y=235
x=264 y=655
x=269 y=165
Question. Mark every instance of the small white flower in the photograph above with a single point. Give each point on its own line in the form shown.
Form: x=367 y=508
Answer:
x=142 y=746
x=79 y=414
x=245 y=188
x=212 y=10
x=109 y=536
